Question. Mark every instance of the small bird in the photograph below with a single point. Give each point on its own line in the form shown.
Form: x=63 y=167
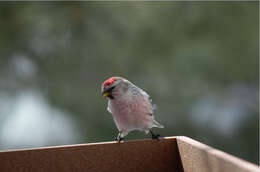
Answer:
x=130 y=106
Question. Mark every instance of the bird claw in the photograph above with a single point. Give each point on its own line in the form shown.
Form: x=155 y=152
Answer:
x=118 y=138
x=157 y=136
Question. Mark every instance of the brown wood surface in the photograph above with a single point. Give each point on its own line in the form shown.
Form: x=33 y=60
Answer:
x=133 y=156
x=168 y=154
x=198 y=157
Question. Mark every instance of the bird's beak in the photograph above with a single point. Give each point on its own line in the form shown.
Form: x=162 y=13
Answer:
x=105 y=94
x=108 y=92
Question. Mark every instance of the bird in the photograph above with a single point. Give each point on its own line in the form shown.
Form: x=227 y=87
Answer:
x=131 y=107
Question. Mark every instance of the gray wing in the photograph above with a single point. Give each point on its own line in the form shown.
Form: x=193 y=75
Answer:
x=149 y=100
x=152 y=107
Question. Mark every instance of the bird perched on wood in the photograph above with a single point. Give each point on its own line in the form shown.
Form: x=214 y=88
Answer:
x=130 y=106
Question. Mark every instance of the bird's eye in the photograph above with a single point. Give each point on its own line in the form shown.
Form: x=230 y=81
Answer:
x=110 y=89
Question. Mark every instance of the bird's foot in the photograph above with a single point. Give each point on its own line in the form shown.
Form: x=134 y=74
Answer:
x=155 y=136
x=118 y=138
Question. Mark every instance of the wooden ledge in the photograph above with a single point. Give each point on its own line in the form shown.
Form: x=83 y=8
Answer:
x=132 y=156
x=168 y=154
x=198 y=157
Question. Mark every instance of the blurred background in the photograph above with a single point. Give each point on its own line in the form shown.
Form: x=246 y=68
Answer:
x=197 y=60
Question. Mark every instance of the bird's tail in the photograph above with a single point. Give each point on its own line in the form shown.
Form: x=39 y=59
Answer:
x=156 y=124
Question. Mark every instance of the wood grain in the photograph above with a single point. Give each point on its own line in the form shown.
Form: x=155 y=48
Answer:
x=198 y=157
x=133 y=156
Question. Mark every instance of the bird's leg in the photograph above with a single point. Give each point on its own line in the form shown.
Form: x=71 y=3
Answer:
x=118 y=137
x=154 y=136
